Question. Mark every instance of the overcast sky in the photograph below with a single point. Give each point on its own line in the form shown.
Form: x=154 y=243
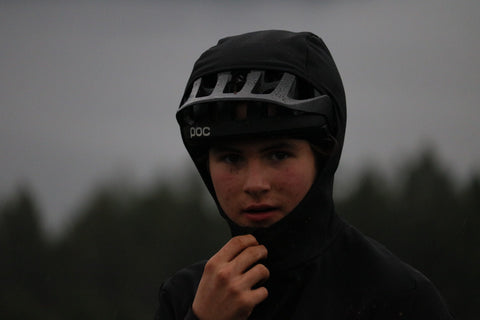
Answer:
x=89 y=88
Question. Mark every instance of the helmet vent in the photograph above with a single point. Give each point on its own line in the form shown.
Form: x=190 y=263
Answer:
x=207 y=85
x=267 y=83
x=236 y=83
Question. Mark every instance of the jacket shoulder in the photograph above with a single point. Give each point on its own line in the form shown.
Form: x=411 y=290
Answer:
x=188 y=277
x=380 y=277
x=177 y=292
x=367 y=264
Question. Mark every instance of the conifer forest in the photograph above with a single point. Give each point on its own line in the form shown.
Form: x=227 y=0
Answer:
x=111 y=260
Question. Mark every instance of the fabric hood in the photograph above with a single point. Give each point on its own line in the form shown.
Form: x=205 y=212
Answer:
x=305 y=55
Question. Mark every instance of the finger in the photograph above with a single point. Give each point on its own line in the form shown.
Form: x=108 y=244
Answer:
x=248 y=257
x=258 y=295
x=256 y=275
x=233 y=247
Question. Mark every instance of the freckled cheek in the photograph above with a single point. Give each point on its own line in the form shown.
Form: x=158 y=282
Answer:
x=294 y=184
x=226 y=188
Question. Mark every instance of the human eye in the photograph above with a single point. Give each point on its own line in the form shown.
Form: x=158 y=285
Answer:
x=279 y=155
x=230 y=158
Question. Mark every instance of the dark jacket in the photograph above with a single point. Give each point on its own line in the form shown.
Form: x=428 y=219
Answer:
x=345 y=275
x=320 y=266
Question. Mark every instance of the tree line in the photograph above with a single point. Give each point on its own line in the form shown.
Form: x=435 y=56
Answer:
x=123 y=243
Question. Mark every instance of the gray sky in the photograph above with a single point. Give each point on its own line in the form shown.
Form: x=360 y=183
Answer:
x=90 y=89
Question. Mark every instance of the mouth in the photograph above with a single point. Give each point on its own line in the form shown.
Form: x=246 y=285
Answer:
x=259 y=212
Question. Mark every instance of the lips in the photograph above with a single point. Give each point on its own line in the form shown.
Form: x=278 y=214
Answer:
x=259 y=212
x=259 y=208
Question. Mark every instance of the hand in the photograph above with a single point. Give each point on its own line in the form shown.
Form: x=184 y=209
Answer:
x=225 y=289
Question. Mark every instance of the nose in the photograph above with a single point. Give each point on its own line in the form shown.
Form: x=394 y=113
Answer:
x=256 y=179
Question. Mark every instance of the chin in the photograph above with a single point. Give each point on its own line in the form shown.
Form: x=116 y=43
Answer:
x=257 y=224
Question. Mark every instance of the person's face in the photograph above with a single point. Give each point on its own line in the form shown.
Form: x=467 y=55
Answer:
x=258 y=182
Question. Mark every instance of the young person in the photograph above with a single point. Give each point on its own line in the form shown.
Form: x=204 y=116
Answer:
x=263 y=117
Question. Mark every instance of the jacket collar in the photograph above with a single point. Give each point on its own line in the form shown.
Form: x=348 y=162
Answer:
x=302 y=235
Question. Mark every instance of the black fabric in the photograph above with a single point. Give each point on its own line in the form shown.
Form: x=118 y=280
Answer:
x=320 y=266
x=354 y=277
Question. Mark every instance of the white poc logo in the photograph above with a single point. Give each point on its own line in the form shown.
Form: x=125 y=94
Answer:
x=199 y=132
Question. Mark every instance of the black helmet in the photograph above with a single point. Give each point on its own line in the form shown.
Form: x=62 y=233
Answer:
x=263 y=84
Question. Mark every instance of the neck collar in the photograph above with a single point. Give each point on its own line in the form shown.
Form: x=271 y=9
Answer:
x=301 y=235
